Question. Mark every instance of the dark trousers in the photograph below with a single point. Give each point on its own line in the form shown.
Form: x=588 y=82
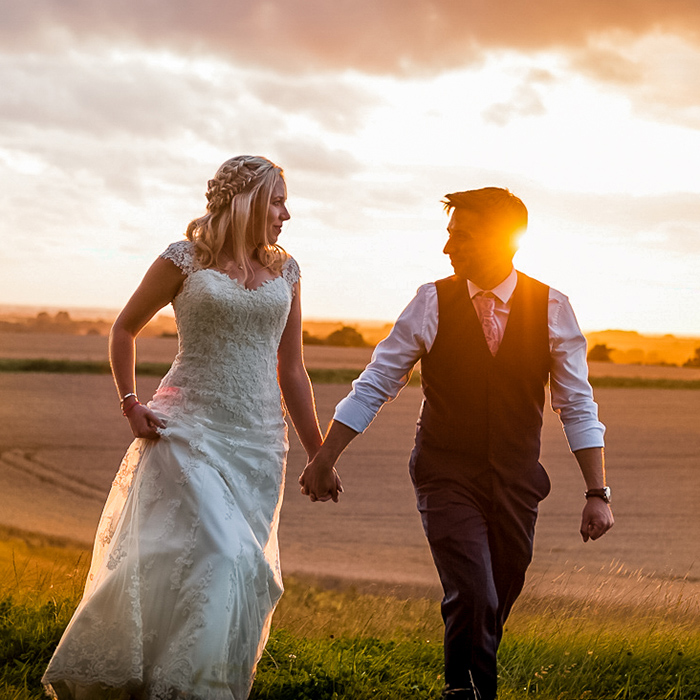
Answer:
x=480 y=526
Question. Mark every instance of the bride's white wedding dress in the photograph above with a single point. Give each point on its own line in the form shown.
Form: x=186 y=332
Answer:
x=185 y=570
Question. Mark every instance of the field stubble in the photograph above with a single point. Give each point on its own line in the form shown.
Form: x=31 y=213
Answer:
x=62 y=437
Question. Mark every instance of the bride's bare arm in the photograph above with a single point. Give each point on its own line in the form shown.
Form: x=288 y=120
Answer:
x=157 y=289
x=294 y=381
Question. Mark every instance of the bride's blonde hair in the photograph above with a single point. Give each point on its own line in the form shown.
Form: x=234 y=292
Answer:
x=238 y=202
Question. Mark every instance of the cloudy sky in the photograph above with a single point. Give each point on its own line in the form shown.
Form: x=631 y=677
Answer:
x=114 y=113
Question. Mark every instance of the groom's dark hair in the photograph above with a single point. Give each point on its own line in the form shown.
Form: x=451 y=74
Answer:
x=496 y=202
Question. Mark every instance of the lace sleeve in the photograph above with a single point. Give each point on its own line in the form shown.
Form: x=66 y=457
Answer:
x=291 y=271
x=182 y=254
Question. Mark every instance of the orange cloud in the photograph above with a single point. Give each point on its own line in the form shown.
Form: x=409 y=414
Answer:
x=380 y=36
x=656 y=71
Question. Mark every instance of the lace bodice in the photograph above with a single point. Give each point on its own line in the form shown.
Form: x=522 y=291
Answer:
x=226 y=363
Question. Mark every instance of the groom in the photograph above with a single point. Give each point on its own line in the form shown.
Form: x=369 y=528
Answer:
x=489 y=338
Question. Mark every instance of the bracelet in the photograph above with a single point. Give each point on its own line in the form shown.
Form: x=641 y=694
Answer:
x=125 y=397
x=126 y=411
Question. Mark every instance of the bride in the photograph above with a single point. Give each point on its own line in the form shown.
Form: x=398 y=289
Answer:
x=185 y=570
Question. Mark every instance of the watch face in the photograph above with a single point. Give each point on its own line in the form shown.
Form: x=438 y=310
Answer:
x=606 y=491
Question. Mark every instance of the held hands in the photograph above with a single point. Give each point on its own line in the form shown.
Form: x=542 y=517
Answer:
x=596 y=520
x=319 y=480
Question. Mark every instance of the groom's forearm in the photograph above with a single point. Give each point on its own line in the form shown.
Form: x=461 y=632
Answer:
x=591 y=461
x=338 y=437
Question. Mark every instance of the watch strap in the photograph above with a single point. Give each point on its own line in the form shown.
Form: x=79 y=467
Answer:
x=603 y=493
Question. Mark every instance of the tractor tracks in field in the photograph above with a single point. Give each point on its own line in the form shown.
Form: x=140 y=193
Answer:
x=21 y=464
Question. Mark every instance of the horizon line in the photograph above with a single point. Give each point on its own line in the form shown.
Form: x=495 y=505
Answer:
x=87 y=313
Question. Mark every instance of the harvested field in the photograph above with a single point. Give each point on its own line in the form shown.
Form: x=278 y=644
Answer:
x=93 y=348
x=62 y=438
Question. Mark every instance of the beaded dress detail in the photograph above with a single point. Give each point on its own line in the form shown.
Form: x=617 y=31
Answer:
x=185 y=570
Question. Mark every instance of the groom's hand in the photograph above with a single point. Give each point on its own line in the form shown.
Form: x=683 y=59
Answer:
x=596 y=519
x=319 y=480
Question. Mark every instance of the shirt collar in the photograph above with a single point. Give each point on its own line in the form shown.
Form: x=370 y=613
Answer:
x=503 y=291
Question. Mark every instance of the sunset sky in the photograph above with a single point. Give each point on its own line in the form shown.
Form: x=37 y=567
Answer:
x=114 y=113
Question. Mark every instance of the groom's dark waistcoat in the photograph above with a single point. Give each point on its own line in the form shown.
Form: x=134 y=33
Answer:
x=488 y=409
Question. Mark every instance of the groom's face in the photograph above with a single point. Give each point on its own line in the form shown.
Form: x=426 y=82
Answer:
x=477 y=246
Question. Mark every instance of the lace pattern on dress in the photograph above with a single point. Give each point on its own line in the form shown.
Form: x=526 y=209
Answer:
x=228 y=341
x=291 y=272
x=182 y=254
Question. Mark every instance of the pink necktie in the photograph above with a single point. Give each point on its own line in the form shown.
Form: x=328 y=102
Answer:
x=486 y=303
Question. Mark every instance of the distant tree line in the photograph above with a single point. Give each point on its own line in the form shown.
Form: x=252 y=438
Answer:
x=693 y=361
x=60 y=323
x=345 y=337
x=601 y=353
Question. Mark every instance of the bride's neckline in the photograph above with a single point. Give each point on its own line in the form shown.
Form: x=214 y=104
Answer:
x=238 y=282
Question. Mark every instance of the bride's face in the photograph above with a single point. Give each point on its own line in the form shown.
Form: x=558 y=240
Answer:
x=277 y=214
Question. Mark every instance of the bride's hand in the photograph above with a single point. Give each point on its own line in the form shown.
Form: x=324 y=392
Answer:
x=143 y=422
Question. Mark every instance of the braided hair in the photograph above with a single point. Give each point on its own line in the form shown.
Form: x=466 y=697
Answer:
x=238 y=199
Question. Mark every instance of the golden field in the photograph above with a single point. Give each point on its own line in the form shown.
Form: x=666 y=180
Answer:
x=62 y=437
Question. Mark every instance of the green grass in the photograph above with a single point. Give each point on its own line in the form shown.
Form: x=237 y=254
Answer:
x=329 y=644
x=154 y=369
x=318 y=376
x=596 y=651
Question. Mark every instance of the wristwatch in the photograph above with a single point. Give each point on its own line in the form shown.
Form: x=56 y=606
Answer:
x=603 y=493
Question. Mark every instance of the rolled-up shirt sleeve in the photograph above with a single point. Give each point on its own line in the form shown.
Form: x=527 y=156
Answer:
x=571 y=392
x=392 y=362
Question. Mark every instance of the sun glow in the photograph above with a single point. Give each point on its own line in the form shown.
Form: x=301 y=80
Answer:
x=600 y=141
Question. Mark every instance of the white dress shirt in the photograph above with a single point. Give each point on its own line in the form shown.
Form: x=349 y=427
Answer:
x=414 y=334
